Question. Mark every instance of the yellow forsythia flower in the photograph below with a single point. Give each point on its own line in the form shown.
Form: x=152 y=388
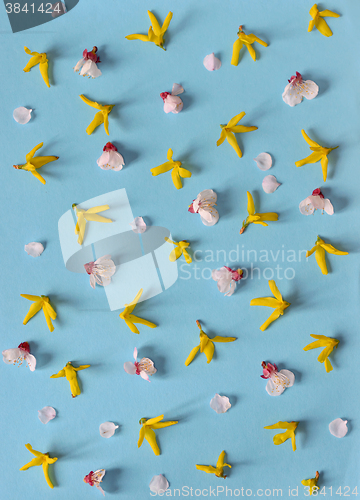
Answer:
x=156 y=33
x=319 y=154
x=69 y=372
x=40 y=302
x=42 y=459
x=32 y=164
x=102 y=116
x=329 y=344
x=284 y=436
x=176 y=170
x=88 y=215
x=246 y=40
x=320 y=248
x=228 y=131
x=206 y=345
x=276 y=303
x=41 y=60
x=312 y=483
x=180 y=249
x=219 y=470
x=130 y=319
x=147 y=431
x=255 y=218
x=319 y=22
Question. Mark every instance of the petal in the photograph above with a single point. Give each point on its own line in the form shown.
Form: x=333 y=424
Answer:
x=233 y=143
x=270 y=184
x=274 y=390
x=130 y=368
x=308 y=140
x=104 y=160
x=290 y=376
x=250 y=204
x=329 y=209
x=238 y=44
x=92 y=281
x=159 y=484
x=211 y=62
x=263 y=161
x=116 y=160
x=107 y=429
x=211 y=218
x=305 y=207
x=324 y=165
x=31 y=361
x=34 y=249
x=46 y=414
x=138 y=225
x=11 y=355
x=177 y=89
x=338 y=428
x=79 y=64
x=323 y=27
x=220 y=404
x=320 y=259
x=291 y=95
x=309 y=89
x=22 y=115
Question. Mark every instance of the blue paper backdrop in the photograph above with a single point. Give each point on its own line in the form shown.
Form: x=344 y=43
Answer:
x=134 y=73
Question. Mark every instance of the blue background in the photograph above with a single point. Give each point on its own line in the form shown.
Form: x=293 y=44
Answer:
x=86 y=332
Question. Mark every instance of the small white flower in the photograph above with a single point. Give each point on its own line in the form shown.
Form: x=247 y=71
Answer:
x=316 y=202
x=107 y=429
x=138 y=225
x=144 y=367
x=220 y=404
x=278 y=381
x=226 y=279
x=338 y=428
x=297 y=88
x=22 y=115
x=211 y=62
x=100 y=271
x=173 y=103
x=20 y=354
x=110 y=159
x=204 y=206
x=159 y=484
x=88 y=64
x=46 y=414
x=34 y=249
x=95 y=478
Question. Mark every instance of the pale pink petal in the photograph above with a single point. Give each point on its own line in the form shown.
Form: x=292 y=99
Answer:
x=116 y=161
x=79 y=64
x=103 y=161
x=306 y=207
x=270 y=184
x=220 y=404
x=329 y=209
x=292 y=95
x=310 y=89
x=290 y=376
x=173 y=104
x=144 y=375
x=31 y=361
x=107 y=429
x=22 y=115
x=274 y=390
x=177 y=89
x=138 y=225
x=130 y=368
x=11 y=355
x=46 y=414
x=92 y=281
x=135 y=353
x=338 y=428
x=263 y=161
x=90 y=69
x=211 y=62
x=34 y=249
x=159 y=484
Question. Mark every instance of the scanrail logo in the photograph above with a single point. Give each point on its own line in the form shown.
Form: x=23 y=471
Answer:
x=142 y=260
x=24 y=14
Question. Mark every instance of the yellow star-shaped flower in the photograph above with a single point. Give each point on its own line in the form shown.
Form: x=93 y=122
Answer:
x=228 y=131
x=276 y=303
x=69 y=372
x=156 y=33
x=312 y=483
x=176 y=170
x=41 y=60
x=42 y=459
x=218 y=470
x=88 y=215
x=32 y=164
x=206 y=345
x=319 y=154
x=284 y=436
x=147 y=431
x=255 y=218
x=329 y=344
x=320 y=248
x=40 y=302
x=319 y=22
x=102 y=116
x=130 y=318
x=246 y=40
x=180 y=249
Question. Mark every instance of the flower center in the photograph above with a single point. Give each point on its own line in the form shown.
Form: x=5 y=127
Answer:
x=296 y=80
x=164 y=95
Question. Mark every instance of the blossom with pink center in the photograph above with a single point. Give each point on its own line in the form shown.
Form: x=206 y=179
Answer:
x=20 y=354
x=172 y=101
x=144 y=367
x=95 y=478
x=204 y=206
x=88 y=64
x=100 y=271
x=316 y=201
x=110 y=158
x=278 y=381
x=226 y=279
x=297 y=88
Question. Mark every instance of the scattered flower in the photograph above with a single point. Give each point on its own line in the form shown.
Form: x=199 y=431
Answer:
x=107 y=429
x=297 y=88
x=176 y=171
x=102 y=116
x=100 y=271
x=319 y=22
x=278 y=380
x=211 y=62
x=32 y=164
x=88 y=64
x=320 y=248
x=311 y=483
x=220 y=404
x=270 y=184
x=204 y=206
x=69 y=372
x=219 y=470
x=338 y=428
x=263 y=161
x=255 y=218
x=276 y=303
x=329 y=344
x=40 y=302
x=284 y=436
x=20 y=354
x=130 y=319
x=228 y=131
x=316 y=202
x=22 y=115
x=172 y=102
x=248 y=40
x=46 y=414
x=319 y=154
x=34 y=249
x=41 y=60
x=95 y=478
x=159 y=484
x=147 y=431
x=144 y=368
x=42 y=459
x=138 y=225
x=206 y=345
x=110 y=158
x=156 y=33
x=180 y=248
x=88 y=215
x=226 y=279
